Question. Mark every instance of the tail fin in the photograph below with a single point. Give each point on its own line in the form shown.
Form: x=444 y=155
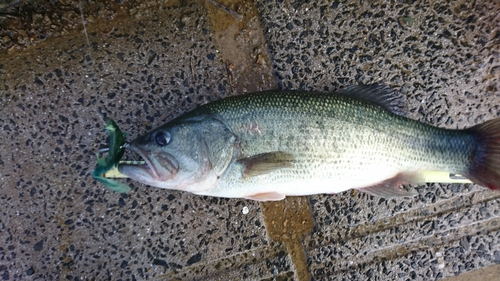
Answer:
x=485 y=167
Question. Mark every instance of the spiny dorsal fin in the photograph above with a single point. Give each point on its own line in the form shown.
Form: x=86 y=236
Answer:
x=380 y=94
x=266 y=163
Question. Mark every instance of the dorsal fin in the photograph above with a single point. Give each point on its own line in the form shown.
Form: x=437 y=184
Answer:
x=380 y=94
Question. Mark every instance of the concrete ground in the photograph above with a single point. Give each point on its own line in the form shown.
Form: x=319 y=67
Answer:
x=143 y=63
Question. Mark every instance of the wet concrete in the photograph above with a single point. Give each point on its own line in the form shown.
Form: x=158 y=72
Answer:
x=152 y=61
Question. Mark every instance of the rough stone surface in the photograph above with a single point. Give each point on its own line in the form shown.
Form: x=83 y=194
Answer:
x=445 y=58
x=58 y=222
x=145 y=63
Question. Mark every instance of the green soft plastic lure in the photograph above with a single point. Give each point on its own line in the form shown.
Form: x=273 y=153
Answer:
x=112 y=159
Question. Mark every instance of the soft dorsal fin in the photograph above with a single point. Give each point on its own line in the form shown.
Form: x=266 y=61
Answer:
x=266 y=163
x=380 y=94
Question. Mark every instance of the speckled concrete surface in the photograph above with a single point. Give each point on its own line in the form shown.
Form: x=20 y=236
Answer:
x=159 y=60
x=57 y=222
x=445 y=57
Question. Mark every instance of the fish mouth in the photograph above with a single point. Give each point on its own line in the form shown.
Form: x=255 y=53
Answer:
x=160 y=166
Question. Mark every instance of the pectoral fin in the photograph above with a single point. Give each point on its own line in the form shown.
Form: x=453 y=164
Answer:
x=391 y=188
x=266 y=163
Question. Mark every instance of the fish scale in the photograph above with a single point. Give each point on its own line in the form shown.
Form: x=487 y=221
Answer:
x=332 y=138
x=269 y=145
x=353 y=125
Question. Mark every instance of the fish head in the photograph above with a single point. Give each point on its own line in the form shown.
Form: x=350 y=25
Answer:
x=188 y=155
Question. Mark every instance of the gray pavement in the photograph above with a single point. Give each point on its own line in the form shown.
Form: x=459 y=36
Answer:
x=145 y=63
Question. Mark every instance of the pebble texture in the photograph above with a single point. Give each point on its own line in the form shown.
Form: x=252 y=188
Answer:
x=442 y=56
x=58 y=222
x=148 y=64
x=445 y=58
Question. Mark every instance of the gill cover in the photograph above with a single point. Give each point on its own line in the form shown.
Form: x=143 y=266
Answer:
x=185 y=154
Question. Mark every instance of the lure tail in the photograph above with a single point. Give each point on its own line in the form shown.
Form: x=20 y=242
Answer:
x=485 y=161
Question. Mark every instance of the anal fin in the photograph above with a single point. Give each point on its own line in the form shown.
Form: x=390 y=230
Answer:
x=266 y=196
x=391 y=188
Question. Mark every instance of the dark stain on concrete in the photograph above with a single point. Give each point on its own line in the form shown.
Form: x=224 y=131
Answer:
x=245 y=53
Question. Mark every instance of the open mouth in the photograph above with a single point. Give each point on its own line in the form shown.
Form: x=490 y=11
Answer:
x=159 y=165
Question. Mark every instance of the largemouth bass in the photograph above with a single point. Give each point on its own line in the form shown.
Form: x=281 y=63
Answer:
x=268 y=145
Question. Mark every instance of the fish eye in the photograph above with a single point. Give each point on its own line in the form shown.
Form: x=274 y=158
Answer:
x=162 y=138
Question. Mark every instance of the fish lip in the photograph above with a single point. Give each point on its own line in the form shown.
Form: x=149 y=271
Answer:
x=151 y=168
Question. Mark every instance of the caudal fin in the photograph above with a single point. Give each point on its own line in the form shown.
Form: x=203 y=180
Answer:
x=485 y=166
